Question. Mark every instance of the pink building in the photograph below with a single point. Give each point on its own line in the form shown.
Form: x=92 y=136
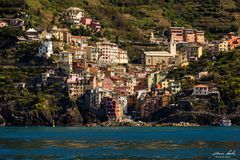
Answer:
x=109 y=52
x=96 y=26
x=113 y=109
x=3 y=24
x=87 y=21
x=107 y=84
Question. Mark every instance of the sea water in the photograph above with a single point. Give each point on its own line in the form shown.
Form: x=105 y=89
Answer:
x=120 y=143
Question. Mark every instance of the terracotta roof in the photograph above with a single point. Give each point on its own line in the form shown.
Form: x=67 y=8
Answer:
x=200 y=86
x=76 y=36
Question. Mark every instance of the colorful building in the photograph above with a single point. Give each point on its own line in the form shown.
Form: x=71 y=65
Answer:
x=113 y=109
x=77 y=85
x=181 y=35
x=222 y=46
x=200 y=37
x=86 y=21
x=109 y=52
x=122 y=56
x=95 y=25
x=3 y=24
x=176 y=34
x=189 y=35
x=61 y=34
x=233 y=40
x=200 y=90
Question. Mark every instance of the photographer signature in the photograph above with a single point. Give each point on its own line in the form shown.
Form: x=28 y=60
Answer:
x=221 y=155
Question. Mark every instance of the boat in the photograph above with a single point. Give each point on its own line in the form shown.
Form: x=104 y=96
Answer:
x=53 y=125
x=225 y=122
x=3 y=124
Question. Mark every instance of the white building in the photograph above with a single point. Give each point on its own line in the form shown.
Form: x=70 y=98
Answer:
x=124 y=103
x=174 y=87
x=170 y=84
x=46 y=48
x=222 y=46
x=32 y=35
x=73 y=15
x=61 y=34
x=173 y=48
x=152 y=58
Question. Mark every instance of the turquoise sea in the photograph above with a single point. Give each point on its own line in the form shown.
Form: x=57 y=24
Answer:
x=120 y=143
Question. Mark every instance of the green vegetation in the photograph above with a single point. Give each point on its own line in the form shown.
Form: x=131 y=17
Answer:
x=133 y=20
x=223 y=71
x=51 y=98
x=226 y=71
x=123 y=21
x=8 y=37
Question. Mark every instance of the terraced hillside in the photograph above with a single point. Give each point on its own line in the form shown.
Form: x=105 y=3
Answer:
x=135 y=19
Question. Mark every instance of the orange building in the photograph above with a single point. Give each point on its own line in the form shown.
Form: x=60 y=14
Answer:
x=200 y=38
x=176 y=33
x=166 y=97
x=189 y=35
x=180 y=34
x=233 y=40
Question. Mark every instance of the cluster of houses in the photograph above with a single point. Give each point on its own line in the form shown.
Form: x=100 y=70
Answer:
x=76 y=16
x=183 y=35
x=100 y=76
x=186 y=45
x=229 y=42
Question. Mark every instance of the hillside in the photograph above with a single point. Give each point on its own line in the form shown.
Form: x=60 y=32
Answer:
x=224 y=71
x=134 y=20
x=27 y=92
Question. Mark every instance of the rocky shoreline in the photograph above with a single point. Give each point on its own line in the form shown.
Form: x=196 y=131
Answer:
x=141 y=124
x=73 y=117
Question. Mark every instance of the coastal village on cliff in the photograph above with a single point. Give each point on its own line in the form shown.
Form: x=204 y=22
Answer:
x=100 y=78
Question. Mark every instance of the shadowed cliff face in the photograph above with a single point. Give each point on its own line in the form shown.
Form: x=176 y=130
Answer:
x=13 y=117
x=177 y=115
x=71 y=117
